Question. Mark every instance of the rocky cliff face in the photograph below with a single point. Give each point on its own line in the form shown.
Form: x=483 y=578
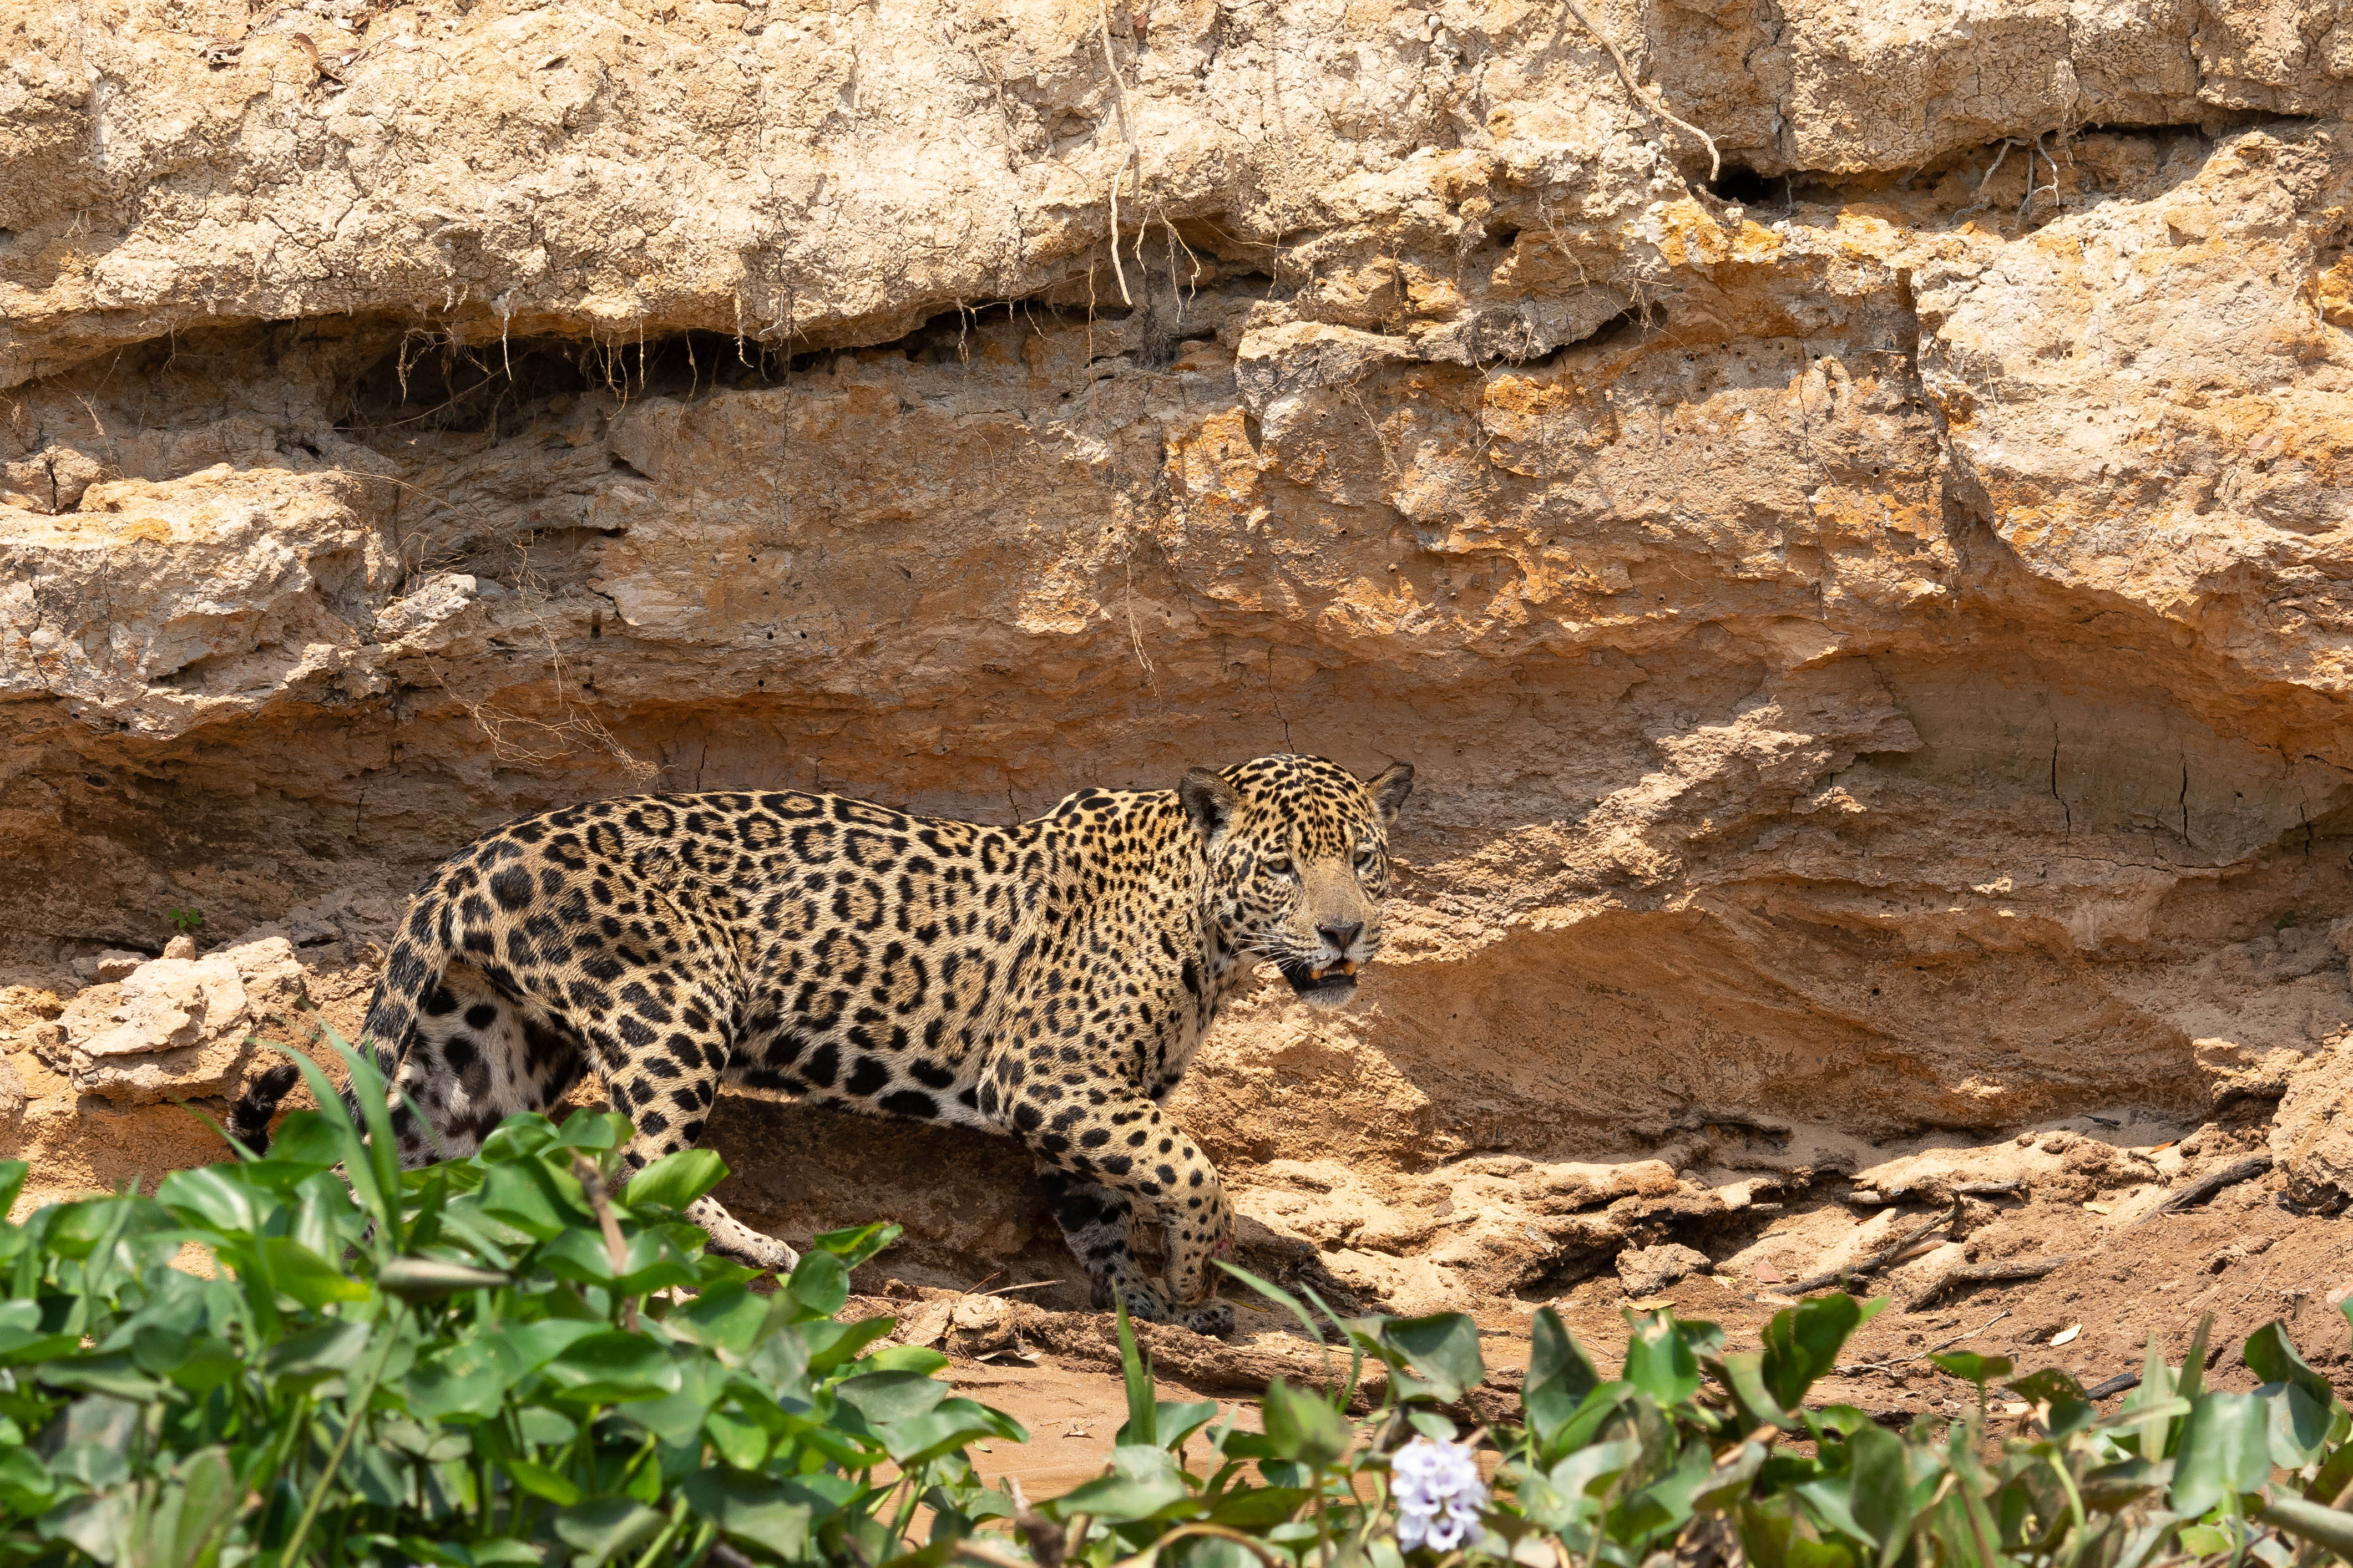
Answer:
x=1867 y=600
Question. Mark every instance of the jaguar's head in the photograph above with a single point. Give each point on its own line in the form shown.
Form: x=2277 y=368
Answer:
x=1299 y=859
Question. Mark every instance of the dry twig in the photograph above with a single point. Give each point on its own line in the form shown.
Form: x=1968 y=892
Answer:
x=1649 y=101
x=2230 y=1175
x=592 y=1181
x=1879 y=1259
x=1893 y=1361
x=1983 y=1273
x=1127 y=156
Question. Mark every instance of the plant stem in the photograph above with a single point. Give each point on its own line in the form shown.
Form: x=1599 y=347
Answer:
x=354 y=1408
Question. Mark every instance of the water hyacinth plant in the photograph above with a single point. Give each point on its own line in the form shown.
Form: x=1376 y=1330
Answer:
x=463 y=1365
x=507 y=1359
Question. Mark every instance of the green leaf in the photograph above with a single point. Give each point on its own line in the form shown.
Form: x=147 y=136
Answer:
x=1830 y=1500
x=856 y=1243
x=316 y=1354
x=381 y=1195
x=1303 y=1427
x=1559 y=1367
x=821 y=1283
x=1881 y=1496
x=648 y=1262
x=2225 y=1451
x=12 y=1181
x=729 y=1317
x=2153 y=1431
x=676 y=1419
x=18 y=1346
x=1967 y=1365
x=951 y=1424
x=1143 y=1409
x=886 y=1397
x=541 y=1203
x=96 y=1523
x=2273 y=1359
x=542 y=1482
x=594 y=1131
x=1443 y=1347
x=675 y=1180
x=196 y=1364
x=309 y=1138
x=224 y=1198
x=415 y=1280
x=466 y=1381
x=1802 y=1343
x=520 y=1137
x=1743 y=1375
x=751 y=1510
x=2299 y=1427
x=611 y=1367
x=293 y=1269
x=534 y=1345
x=601 y=1531
x=2205 y=1541
x=1658 y=1360
x=1175 y=1420
x=112 y=1373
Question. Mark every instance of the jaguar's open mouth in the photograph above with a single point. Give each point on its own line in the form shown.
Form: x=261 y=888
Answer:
x=1333 y=981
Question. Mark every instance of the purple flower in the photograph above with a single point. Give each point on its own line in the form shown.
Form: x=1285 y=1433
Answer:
x=1438 y=1493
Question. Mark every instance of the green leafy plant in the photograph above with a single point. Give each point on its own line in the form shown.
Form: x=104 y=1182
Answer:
x=1701 y=1452
x=188 y=920
x=498 y=1359
x=503 y=1359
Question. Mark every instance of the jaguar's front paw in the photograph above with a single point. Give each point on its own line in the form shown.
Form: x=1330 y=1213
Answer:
x=1215 y=1318
x=1143 y=1305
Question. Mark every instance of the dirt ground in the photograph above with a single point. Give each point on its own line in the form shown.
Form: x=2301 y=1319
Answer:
x=2129 y=1274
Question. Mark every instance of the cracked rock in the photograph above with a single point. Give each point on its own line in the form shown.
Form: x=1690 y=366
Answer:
x=1647 y=1271
x=177 y=1027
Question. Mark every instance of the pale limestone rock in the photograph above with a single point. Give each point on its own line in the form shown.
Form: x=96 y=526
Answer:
x=179 y=1028
x=12 y=1091
x=112 y=965
x=2312 y=1132
x=1647 y=1271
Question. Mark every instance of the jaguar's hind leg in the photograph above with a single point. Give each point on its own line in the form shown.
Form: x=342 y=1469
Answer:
x=476 y=1058
x=666 y=1085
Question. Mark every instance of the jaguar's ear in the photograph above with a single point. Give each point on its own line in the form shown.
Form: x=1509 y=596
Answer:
x=1389 y=790
x=1209 y=802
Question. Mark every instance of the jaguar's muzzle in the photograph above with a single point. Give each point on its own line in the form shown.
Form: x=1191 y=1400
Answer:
x=1336 y=981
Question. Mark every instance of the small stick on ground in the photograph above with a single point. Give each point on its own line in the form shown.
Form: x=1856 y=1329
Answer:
x=2230 y=1175
x=2123 y=1383
x=1984 y=1273
x=1877 y=1260
x=1922 y=1356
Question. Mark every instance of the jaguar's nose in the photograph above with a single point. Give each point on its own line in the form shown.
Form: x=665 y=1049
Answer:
x=1340 y=937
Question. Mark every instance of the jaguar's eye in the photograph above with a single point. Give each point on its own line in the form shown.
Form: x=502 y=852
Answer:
x=1278 y=864
x=1363 y=860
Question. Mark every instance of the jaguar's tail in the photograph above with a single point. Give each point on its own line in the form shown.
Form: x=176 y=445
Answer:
x=409 y=976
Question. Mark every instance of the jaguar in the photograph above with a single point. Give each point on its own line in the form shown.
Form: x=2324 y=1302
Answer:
x=1050 y=980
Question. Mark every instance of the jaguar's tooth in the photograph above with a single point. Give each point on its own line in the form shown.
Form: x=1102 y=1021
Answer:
x=1347 y=966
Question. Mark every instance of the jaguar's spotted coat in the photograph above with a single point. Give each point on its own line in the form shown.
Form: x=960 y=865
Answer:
x=1050 y=980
